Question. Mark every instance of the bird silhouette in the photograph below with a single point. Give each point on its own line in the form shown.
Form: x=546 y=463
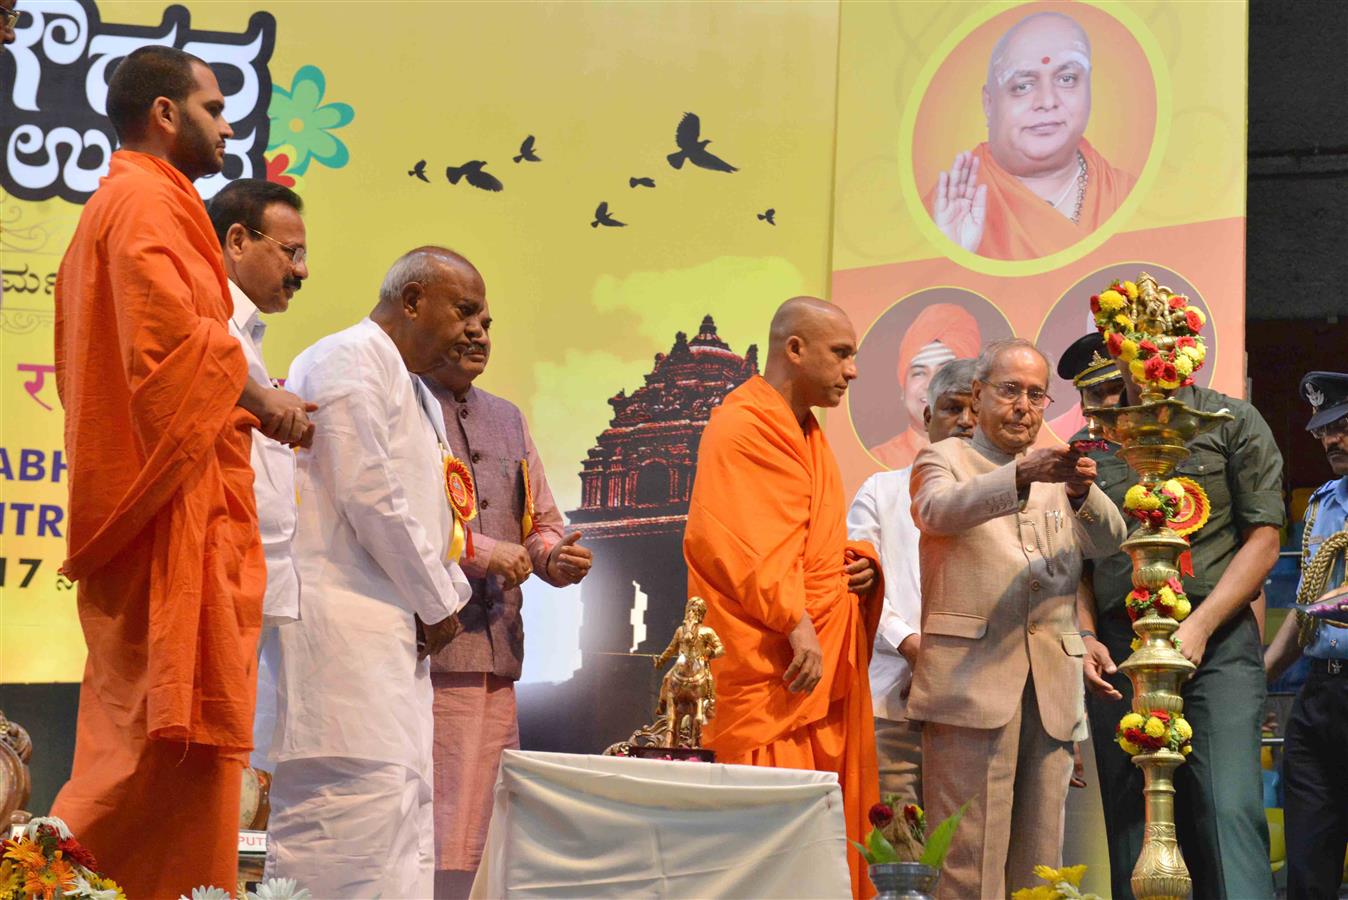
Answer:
x=419 y=171
x=641 y=182
x=767 y=216
x=601 y=217
x=474 y=172
x=527 y=151
x=694 y=150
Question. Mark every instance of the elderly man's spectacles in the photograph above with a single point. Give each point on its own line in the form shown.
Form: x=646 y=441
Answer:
x=1337 y=428
x=297 y=254
x=9 y=18
x=1010 y=392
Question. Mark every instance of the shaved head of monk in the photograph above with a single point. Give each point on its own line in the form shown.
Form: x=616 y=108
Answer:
x=432 y=304
x=1037 y=98
x=167 y=103
x=812 y=350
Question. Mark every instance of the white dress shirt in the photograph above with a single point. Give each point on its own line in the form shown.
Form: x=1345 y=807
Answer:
x=374 y=530
x=881 y=514
x=273 y=478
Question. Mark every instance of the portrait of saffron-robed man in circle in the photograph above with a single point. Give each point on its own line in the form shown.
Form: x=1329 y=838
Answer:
x=1036 y=185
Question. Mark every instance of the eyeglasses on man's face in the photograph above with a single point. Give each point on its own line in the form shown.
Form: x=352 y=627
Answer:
x=297 y=254
x=9 y=18
x=1010 y=392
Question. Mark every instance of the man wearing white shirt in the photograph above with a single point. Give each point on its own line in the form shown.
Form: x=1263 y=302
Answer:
x=262 y=236
x=881 y=514
x=351 y=798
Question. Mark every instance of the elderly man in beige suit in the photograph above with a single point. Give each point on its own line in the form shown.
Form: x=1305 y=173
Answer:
x=998 y=680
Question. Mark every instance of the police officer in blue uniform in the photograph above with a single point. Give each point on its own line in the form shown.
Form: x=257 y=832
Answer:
x=1315 y=754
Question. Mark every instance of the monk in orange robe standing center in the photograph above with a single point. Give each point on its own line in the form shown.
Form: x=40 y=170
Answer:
x=163 y=537
x=795 y=603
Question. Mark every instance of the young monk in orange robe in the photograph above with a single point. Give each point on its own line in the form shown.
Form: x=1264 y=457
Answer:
x=795 y=603
x=163 y=536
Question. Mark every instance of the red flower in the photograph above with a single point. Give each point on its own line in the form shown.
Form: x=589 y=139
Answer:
x=1147 y=346
x=1191 y=319
x=1157 y=518
x=1154 y=368
x=1178 y=302
x=276 y=167
x=1186 y=382
x=1114 y=343
x=881 y=814
x=1095 y=303
x=1162 y=715
x=77 y=853
x=1185 y=341
x=1175 y=585
x=1168 y=372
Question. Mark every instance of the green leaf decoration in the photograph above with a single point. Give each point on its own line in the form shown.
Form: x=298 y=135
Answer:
x=938 y=845
x=879 y=849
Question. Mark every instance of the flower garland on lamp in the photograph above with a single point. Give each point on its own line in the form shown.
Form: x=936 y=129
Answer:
x=1159 y=340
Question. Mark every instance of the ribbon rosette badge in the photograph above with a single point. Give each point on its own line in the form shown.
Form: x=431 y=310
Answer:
x=462 y=497
x=1193 y=510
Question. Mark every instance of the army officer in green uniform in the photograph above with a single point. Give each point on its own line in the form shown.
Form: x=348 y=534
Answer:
x=1219 y=807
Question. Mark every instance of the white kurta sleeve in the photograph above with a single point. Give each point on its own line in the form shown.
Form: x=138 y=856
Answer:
x=351 y=454
x=863 y=524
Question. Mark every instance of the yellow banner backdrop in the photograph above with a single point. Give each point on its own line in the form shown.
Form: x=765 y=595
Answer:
x=343 y=101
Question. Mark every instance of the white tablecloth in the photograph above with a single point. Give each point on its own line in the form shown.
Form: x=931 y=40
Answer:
x=567 y=825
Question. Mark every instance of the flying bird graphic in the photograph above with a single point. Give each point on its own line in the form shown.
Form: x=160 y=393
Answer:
x=601 y=217
x=767 y=216
x=693 y=149
x=527 y=151
x=641 y=182
x=476 y=176
x=419 y=171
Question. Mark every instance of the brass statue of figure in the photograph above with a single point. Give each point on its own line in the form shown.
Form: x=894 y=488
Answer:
x=688 y=693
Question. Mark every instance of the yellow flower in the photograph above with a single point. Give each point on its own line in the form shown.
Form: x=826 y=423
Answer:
x=10 y=879
x=1135 y=497
x=1044 y=872
x=1129 y=747
x=1111 y=301
x=1187 y=749
x=1182 y=610
x=1101 y=319
x=1136 y=644
x=1130 y=289
x=1155 y=728
x=1173 y=486
x=1124 y=323
x=1038 y=892
x=27 y=854
x=1132 y=720
x=1138 y=370
x=1166 y=596
x=1183 y=730
x=1184 y=365
x=1128 y=350
x=1072 y=875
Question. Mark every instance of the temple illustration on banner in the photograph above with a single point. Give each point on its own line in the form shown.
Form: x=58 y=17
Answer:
x=635 y=485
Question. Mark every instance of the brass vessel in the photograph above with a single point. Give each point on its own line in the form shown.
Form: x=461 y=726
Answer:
x=1153 y=438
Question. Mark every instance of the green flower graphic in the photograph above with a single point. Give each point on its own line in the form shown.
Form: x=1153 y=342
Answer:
x=300 y=118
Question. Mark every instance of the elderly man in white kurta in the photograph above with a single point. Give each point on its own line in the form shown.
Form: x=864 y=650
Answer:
x=998 y=681
x=880 y=514
x=351 y=800
x=263 y=238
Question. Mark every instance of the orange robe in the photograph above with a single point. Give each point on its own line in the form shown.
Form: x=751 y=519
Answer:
x=163 y=537
x=1021 y=225
x=764 y=545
